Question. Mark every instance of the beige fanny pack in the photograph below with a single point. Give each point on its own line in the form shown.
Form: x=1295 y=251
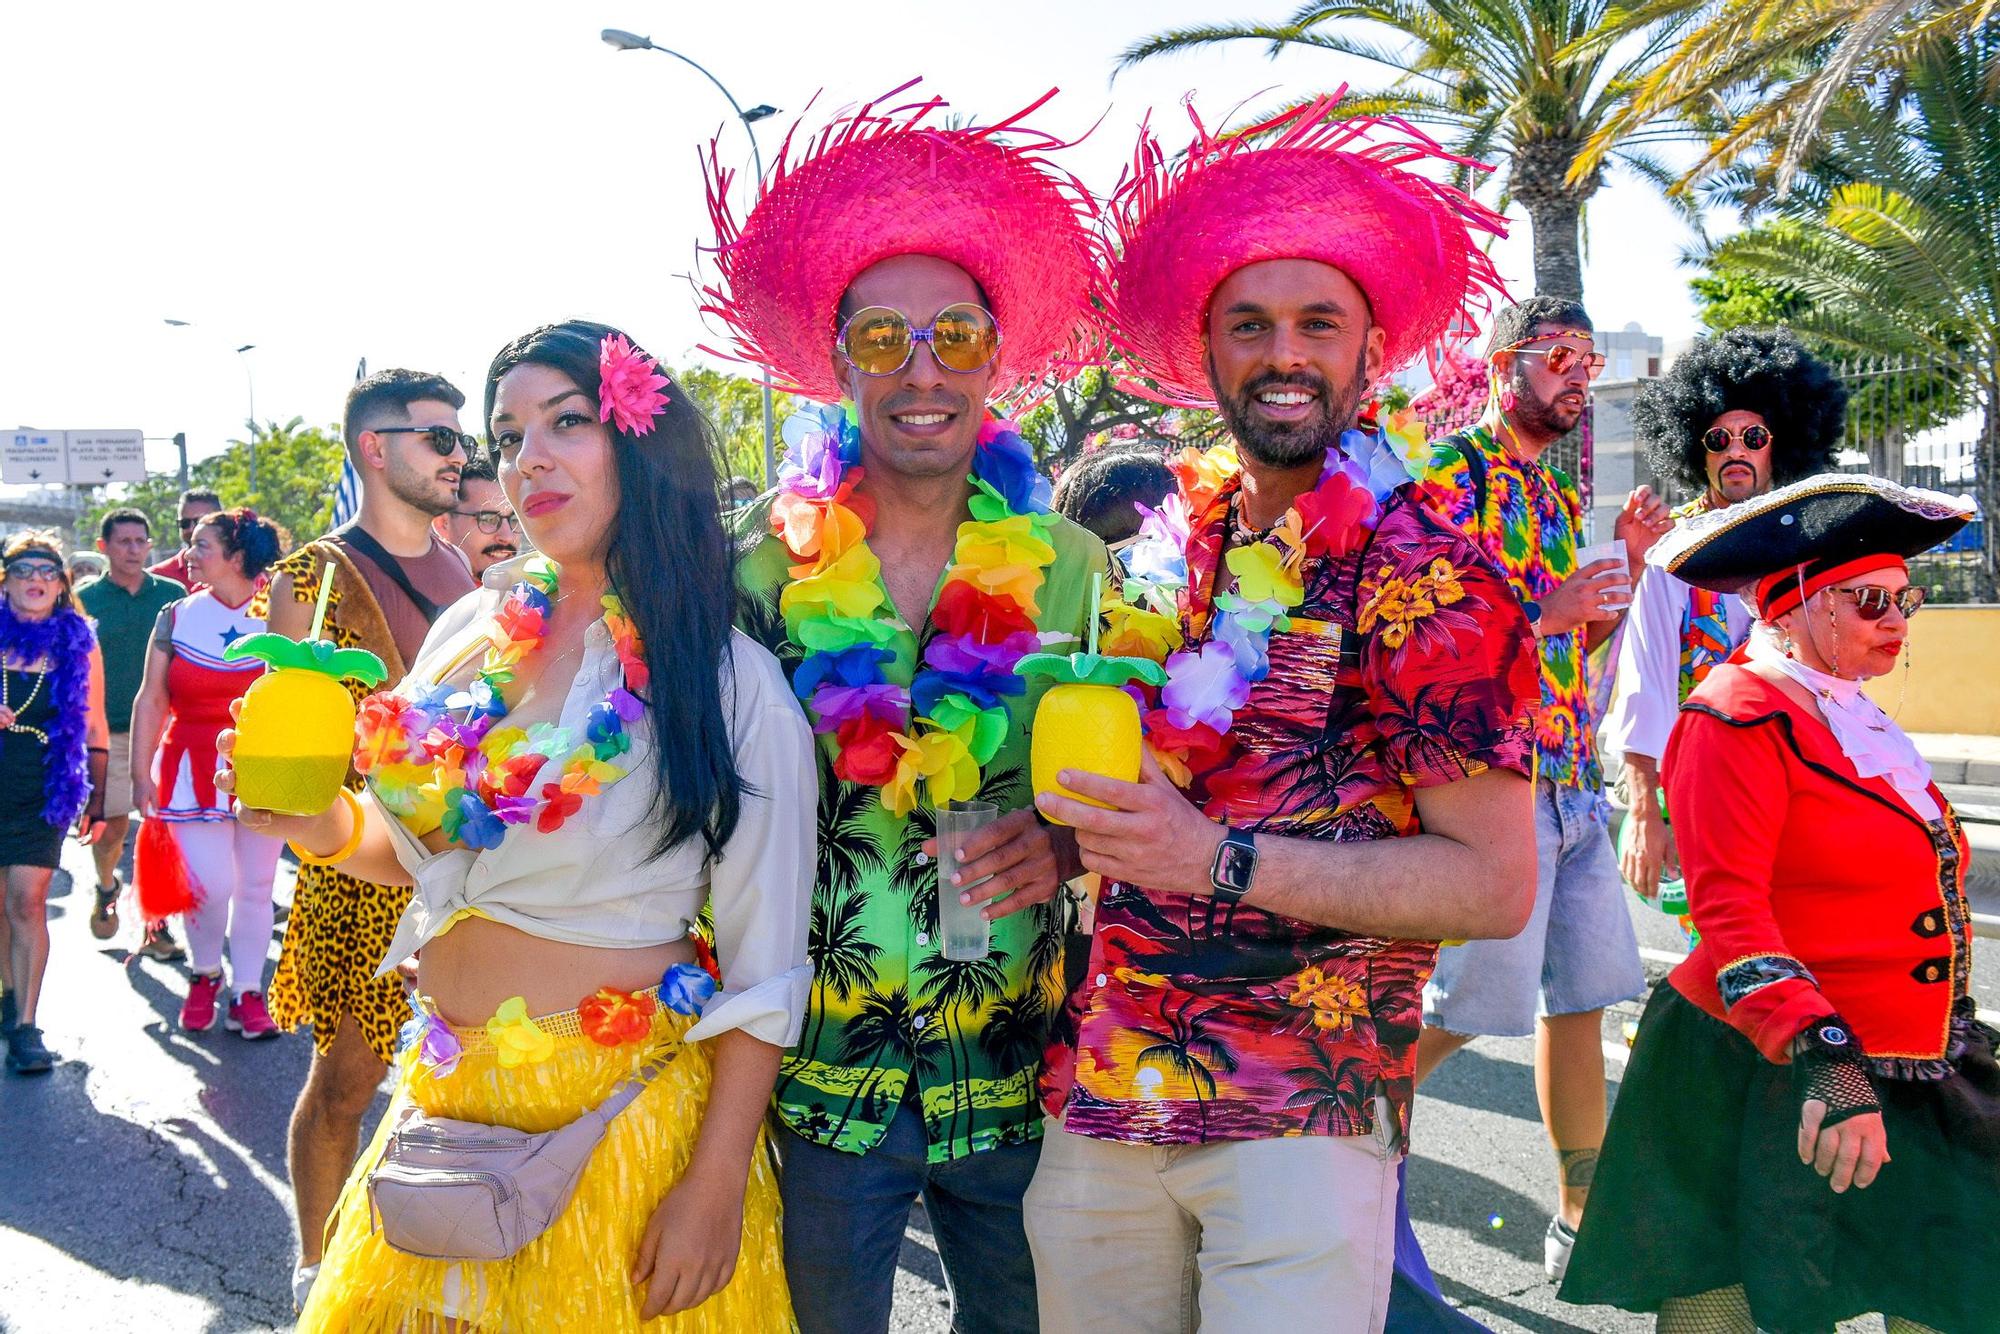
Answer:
x=458 y=1190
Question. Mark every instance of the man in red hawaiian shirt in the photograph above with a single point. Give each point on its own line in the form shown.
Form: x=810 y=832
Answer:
x=1229 y=1095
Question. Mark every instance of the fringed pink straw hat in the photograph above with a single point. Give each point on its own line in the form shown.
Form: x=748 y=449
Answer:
x=1299 y=186
x=879 y=182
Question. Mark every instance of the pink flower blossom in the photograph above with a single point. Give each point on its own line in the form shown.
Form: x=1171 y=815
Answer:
x=629 y=385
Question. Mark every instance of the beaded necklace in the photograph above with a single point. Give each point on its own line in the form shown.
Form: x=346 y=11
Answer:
x=441 y=760
x=948 y=720
x=34 y=689
x=1209 y=680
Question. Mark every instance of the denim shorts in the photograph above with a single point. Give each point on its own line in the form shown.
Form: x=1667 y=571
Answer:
x=1578 y=952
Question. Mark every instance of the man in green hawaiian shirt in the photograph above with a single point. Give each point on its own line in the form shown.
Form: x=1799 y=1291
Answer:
x=915 y=1074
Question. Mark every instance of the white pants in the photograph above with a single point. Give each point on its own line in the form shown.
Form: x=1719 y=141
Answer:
x=1232 y=1237
x=233 y=870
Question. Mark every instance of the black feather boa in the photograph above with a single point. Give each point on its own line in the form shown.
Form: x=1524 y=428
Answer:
x=65 y=638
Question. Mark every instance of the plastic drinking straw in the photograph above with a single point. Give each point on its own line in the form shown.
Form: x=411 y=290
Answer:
x=326 y=591
x=1096 y=609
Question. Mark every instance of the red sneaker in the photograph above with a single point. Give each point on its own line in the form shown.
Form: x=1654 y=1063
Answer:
x=198 y=1010
x=248 y=1016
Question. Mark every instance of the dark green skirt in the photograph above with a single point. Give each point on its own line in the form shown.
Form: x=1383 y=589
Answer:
x=1701 y=1187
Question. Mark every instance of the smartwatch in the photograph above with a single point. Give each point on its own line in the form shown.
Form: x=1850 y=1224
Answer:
x=1534 y=612
x=1235 y=864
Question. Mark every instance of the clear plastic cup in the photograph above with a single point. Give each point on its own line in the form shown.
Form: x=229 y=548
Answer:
x=967 y=933
x=1617 y=596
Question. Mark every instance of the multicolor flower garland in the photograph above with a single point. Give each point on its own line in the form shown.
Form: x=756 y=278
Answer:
x=949 y=720
x=440 y=761
x=1188 y=728
x=608 y=1017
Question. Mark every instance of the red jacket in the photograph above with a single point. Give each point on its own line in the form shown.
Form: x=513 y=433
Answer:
x=1816 y=891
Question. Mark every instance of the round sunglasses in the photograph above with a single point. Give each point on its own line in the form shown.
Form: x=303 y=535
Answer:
x=1718 y=439
x=1872 y=601
x=877 y=340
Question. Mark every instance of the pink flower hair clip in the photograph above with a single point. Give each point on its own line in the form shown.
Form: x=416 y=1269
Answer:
x=629 y=385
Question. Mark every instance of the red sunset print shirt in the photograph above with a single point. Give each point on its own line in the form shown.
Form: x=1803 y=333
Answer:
x=1408 y=664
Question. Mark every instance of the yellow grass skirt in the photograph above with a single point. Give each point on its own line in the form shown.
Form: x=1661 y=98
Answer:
x=573 y=1276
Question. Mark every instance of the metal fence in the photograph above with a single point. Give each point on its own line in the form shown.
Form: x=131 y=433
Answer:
x=1931 y=423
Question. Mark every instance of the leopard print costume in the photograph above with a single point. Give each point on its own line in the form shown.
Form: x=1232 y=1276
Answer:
x=340 y=927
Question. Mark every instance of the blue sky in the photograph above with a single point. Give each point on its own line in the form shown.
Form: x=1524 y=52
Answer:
x=417 y=182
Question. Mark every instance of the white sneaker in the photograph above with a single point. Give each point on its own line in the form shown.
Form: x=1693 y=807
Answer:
x=1556 y=1246
x=302 y=1285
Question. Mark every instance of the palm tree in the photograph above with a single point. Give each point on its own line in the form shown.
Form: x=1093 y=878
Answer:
x=1901 y=254
x=1183 y=1045
x=1517 y=80
x=912 y=873
x=1045 y=951
x=847 y=851
x=884 y=1026
x=955 y=983
x=1326 y=1090
x=843 y=958
x=1017 y=1030
x=1784 y=63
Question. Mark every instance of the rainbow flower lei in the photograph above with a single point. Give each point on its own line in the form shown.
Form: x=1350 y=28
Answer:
x=442 y=761
x=942 y=727
x=1208 y=682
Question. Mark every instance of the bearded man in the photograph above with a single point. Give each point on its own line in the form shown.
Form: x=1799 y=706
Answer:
x=1734 y=416
x=1349 y=712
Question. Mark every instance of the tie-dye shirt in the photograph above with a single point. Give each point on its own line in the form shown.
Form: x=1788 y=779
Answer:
x=1529 y=526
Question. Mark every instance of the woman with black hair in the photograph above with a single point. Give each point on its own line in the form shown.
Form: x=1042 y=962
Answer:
x=184 y=703
x=53 y=739
x=1104 y=489
x=575 y=767
x=1734 y=416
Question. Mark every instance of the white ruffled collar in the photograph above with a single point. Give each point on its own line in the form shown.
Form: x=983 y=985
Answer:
x=1867 y=736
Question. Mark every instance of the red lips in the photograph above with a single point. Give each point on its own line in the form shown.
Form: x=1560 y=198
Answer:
x=543 y=502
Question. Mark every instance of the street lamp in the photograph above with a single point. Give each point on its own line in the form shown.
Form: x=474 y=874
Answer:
x=620 y=40
x=250 y=387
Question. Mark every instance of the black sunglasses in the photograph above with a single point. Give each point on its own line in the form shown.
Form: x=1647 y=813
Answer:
x=34 y=569
x=1872 y=601
x=443 y=439
x=489 y=521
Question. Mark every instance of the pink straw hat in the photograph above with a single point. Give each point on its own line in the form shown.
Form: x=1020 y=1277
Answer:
x=878 y=182
x=1299 y=186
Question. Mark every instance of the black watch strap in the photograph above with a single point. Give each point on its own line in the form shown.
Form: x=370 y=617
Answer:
x=1235 y=863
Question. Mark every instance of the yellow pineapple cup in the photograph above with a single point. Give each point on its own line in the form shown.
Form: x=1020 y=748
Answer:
x=1087 y=720
x=295 y=733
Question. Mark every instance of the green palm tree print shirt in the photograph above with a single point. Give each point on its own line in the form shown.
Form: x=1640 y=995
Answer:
x=890 y=1018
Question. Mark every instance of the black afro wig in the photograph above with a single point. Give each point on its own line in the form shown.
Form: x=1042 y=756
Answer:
x=1765 y=371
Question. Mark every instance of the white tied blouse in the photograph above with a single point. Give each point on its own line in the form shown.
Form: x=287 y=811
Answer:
x=593 y=882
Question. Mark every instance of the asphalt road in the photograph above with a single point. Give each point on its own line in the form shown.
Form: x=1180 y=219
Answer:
x=142 y=1185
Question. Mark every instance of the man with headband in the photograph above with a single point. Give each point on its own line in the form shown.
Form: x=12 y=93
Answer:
x=908 y=559
x=1348 y=715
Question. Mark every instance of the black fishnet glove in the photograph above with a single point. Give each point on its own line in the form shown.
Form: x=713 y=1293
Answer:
x=1827 y=1067
x=98 y=760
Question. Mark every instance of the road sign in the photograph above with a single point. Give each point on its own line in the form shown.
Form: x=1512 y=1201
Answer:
x=107 y=456
x=73 y=458
x=28 y=457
